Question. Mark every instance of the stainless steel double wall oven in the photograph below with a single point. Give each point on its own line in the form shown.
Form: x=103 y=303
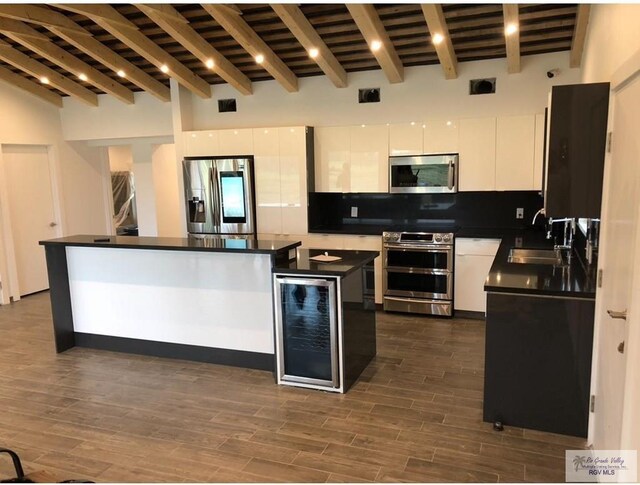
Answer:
x=418 y=272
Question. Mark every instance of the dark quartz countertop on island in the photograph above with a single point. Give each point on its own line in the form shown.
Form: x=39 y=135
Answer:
x=571 y=281
x=303 y=264
x=212 y=243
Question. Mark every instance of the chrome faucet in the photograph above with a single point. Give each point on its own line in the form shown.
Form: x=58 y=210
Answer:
x=569 y=231
x=541 y=211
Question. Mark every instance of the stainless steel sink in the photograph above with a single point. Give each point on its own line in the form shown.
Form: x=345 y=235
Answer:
x=536 y=256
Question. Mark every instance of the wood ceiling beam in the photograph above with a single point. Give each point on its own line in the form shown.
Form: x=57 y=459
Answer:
x=372 y=29
x=57 y=55
x=12 y=56
x=437 y=24
x=174 y=24
x=302 y=29
x=512 y=37
x=42 y=16
x=77 y=36
x=579 y=35
x=29 y=86
x=110 y=20
x=235 y=26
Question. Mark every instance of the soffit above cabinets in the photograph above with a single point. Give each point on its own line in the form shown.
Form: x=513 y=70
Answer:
x=141 y=48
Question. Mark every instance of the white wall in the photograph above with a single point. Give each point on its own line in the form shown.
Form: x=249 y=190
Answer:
x=120 y=158
x=613 y=35
x=168 y=193
x=148 y=116
x=424 y=93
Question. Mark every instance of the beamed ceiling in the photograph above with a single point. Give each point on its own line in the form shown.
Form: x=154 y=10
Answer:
x=60 y=42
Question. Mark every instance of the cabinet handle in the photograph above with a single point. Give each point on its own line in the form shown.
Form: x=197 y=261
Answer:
x=617 y=315
x=621 y=347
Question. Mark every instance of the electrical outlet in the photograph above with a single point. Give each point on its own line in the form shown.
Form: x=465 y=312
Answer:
x=520 y=213
x=354 y=211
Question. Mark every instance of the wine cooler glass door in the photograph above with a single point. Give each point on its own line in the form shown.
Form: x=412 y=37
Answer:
x=307 y=331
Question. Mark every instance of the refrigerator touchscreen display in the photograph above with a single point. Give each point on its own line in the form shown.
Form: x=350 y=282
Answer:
x=233 y=197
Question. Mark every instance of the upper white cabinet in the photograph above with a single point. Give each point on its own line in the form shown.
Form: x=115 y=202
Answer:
x=515 y=152
x=201 y=143
x=406 y=139
x=441 y=136
x=332 y=159
x=369 y=158
x=236 y=142
x=477 y=145
x=293 y=179
x=266 y=143
x=538 y=152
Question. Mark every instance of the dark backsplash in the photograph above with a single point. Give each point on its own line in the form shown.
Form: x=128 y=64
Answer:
x=330 y=212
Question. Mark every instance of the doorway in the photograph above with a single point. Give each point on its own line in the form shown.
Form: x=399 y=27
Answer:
x=27 y=171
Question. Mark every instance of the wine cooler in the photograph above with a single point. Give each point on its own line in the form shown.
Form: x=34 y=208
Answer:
x=307 y=332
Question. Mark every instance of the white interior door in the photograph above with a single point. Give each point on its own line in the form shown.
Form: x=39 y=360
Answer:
x=31 y=209
x=617 y=261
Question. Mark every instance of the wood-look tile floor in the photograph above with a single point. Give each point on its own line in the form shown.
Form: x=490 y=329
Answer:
x=414 y=416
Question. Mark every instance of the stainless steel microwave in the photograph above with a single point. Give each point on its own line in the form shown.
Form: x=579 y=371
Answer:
x=423 y=174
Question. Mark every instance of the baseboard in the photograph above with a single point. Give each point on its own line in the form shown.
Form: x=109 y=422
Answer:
x=235 y=358
x=468 y=314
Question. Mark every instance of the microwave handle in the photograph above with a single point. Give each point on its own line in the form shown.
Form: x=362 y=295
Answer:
x=450 y=182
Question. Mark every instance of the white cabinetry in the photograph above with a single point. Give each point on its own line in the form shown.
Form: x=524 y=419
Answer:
x=406 y=139
x=369 y=158
x=441 y=136
x=236 y=142
x=281 y=180
x=515 y=152
x=538 y=152
x=201 y=143
x=332 y=157
x=477 y=154
x=474 y=258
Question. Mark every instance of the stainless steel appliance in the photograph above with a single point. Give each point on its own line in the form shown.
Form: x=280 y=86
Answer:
x=418 y=272
x=423 y=174
x=220 y=195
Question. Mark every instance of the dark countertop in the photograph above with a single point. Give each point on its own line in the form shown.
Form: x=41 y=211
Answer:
x=223 y=244
x=351 y=260
x=537 y=279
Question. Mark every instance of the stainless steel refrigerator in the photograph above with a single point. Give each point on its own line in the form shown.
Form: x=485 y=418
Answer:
x=220 y=195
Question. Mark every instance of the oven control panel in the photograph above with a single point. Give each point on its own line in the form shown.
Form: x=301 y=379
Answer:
x=418 y=237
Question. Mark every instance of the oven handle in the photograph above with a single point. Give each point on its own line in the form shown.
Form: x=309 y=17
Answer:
x=412 y=270
x=427 y=249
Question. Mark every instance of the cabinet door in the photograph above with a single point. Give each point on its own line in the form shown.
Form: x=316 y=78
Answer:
x=369 y=158
x=201 y=143
x=324 y=241
x=236 y=142
x=441 y=136
x=473 y=261
x=405 y=139
x=368 y=243
x=477 y=154
x=293 y=179
x=515 y=152
x=332 y=158
x=538 y=152
x=267 y=172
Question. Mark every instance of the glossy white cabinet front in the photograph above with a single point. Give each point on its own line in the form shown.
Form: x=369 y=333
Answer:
x=266 y=145
x=332 y=158
x=236 y=142
x=369 y=158
x=515 y=152
x=441 y=136
x=477 y=154
x=201 y=143
x=406 y=139
x=473 y=260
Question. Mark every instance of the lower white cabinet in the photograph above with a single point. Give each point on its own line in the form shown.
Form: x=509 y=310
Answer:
x=473 y=261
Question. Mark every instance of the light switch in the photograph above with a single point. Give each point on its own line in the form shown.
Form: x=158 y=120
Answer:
x=519 y=213
x=354 y=211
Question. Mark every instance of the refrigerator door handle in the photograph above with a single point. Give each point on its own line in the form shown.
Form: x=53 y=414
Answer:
x=215 y=196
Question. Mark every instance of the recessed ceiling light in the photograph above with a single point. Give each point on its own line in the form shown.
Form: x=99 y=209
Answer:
x=259 y=58
x=413 y=123
x=376 y=45
x=424 y=126
x=121 y=73
x=210 y=64
x=511 y=29
x=313 y=53
x=448 y=123
x=364 y=126
x=164 y=68
x=437 y=38
x=44 y=80
x=82 y=76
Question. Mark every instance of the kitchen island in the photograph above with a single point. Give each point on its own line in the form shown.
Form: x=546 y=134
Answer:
x=539 y=340
x=206 y=299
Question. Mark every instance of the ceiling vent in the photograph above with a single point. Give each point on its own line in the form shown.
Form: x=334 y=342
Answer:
x=482 y=86
x=369 y=95
x=226 y=105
